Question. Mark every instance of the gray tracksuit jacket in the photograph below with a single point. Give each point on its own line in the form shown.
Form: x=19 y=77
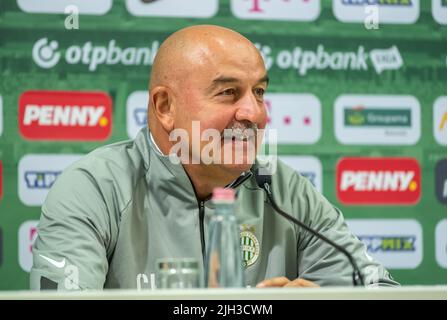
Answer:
x=111 y=215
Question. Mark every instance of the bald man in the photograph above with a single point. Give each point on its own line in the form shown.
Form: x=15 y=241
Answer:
x=110 y=216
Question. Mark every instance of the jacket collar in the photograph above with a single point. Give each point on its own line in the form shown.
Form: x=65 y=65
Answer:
x=160 y=168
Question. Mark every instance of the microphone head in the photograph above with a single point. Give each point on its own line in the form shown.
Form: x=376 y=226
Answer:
x=262 y=179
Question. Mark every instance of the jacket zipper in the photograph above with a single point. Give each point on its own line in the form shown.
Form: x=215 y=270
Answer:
x=202 y=231
x=202 y=212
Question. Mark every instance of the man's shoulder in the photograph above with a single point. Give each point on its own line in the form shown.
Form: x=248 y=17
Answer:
x=113 y=171
x=285 y=174
x=111 y=161
x=289 y=180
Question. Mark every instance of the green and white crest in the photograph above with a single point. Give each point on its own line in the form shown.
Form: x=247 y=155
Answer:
x=250 y=246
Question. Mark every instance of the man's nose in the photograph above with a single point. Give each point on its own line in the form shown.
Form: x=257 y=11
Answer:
x=251 y=109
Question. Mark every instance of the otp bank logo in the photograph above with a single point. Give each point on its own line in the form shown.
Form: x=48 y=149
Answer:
x=37 y=174
x=378 y=181
x=295 y=10
x=65 y=115
x=27 y=237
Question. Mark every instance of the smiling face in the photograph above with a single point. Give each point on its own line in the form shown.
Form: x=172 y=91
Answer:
x=220 y=82
x=212 y=78
x=225 y=91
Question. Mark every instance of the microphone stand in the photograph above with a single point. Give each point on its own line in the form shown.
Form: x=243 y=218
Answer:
x=264 y=182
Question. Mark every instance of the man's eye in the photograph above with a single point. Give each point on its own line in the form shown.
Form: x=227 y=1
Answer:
x=259 y=92
x=228 y=92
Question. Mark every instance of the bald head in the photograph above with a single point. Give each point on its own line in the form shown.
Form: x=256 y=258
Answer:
x=188 y=49
x=206 y=74
x=206 y=77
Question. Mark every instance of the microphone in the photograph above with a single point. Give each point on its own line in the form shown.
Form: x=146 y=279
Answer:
x=264 y=182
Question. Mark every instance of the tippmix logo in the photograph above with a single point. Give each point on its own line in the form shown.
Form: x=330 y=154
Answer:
x=441 y=243
x=295 y=117
x=37 y=174
x=292 y=10
x=390 y=11
x=440 y=120
x=441 y=181
x=97 y=7
x=27 y=237
x=65 y=115
x=173 y=8
x=378 y=181
x=136 y=112
x=396 y=243
x=309 y=167
x=377 y=119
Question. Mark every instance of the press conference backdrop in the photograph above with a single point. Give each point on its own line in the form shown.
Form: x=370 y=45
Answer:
x=360 y=108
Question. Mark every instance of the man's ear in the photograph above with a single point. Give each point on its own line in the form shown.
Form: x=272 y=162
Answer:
x=163 y=107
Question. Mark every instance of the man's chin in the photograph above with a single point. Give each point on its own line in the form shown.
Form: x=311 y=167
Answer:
x=237 y=168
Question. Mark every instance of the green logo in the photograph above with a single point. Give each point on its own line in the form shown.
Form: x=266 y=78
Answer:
x=375 y=117
x=249 y=245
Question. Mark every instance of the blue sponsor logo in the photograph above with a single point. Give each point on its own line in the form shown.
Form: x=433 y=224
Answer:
x=395 y=3
x=140 y=116
x=40 y=179
x=389 y=243
x=311 y=175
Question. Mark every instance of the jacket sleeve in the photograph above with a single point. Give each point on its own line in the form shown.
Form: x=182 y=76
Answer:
x=73 y=240
x=320 y=262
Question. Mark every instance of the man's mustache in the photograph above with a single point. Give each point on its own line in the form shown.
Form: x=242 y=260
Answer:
x=241 y=130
